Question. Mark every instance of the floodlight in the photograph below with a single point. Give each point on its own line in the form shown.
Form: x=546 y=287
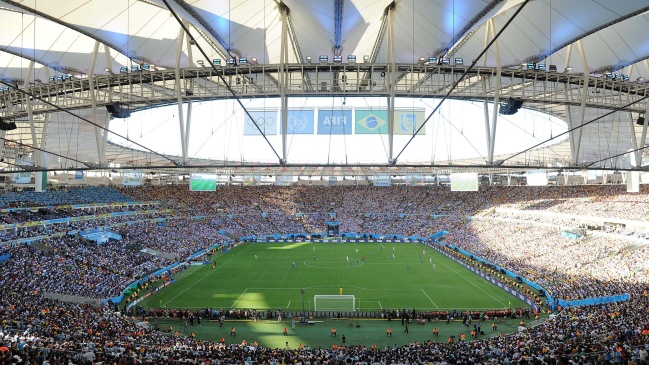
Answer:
x=308 y=59
x=553 y=68
x=216 y=62
x=324 y=59
x=68 y=77
x=253 y=60
x=366 y=59
x=432 y=60
x=530 y=66
x=243 y=60
x=123 y=69
x=351 y=58
x=422 y=60
x=59 y=77
x=338 y=59
x=625 y=77
x=568 y=68
x=200 y=62
x=459 y=61
x=445 y=61
x=135 y=68
x=230 y=61
x=107 y=69
x=541 y=66
x=641 y=78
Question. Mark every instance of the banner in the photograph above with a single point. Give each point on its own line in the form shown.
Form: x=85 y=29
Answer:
x=78 y=175
x=300 y=121
x=23 y=177
x=132 y=178
x=371 y=121
x=334 y=121
x=283 y=180
x=381 y=181
x=333 y=180
x=252 y=180
x=408 y=121
x=265 y=119
x=414 y=180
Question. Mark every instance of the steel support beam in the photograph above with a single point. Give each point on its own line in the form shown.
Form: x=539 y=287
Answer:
x=584 y=96
x=391 y=76
x=338 y=25
x=283 y=81
x=93 y=101
x=497 y=88
x=179 y=94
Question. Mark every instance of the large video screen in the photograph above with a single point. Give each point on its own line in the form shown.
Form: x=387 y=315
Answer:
x=464 y=181
x=202 y=182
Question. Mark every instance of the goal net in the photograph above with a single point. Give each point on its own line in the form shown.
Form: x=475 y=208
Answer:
x=334 y=303
x=332 y=239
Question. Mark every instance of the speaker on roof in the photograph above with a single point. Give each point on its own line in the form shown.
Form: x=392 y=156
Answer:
x=7 y=126
x=511 y=107
x=640 y=121
x=117 y=111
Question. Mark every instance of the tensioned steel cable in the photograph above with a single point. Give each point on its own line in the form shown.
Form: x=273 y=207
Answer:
x=218 y=74
x=475 y=61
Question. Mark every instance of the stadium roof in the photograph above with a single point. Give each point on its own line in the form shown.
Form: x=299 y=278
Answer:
x=91 y=41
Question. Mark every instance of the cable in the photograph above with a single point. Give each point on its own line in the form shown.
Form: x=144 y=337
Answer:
x=460 y=78
x=218 y=74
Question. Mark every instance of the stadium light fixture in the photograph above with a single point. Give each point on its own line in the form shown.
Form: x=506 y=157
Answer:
x=107 y=69
x=641 y=78
x=253 y=60
x=216 y=62
x=324 y=59
x=351 y=58
x=308 y=59
x=243 y=60
x=123 y=69
x=422 y=60
x=338 y=59
x=366 y=59
x=568 y=68
x=200 y=62
x=432 y=60
x=459 y=61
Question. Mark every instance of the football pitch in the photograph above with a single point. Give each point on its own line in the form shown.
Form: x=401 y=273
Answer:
x=272 y=275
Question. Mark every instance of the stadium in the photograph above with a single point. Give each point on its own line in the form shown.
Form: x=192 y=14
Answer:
x=331 y=182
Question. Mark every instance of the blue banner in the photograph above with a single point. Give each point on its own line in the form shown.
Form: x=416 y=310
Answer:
x=5 y=257
x=300 y=121
x=78 y=175
x=334 y=121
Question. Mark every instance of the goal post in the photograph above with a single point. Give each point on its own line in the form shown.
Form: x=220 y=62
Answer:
x=343 y=303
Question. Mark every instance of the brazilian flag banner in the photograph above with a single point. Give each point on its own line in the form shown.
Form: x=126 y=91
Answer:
x=371 y=121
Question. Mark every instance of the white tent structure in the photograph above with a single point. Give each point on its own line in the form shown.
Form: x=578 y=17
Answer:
x=69 y=67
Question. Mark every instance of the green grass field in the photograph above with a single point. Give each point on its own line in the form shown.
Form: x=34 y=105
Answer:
x=261 y=276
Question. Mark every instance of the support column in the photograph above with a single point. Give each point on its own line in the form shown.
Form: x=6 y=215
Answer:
x=179 y=95
x=498 y=86
x=487 y=127
x=283 y=81
x=637 y=155
x=643 y=137
x=584 y=97
x=391 y=77
x=93 y=101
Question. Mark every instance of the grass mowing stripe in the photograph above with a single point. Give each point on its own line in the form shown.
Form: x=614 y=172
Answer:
x=474 y=284
x=206 y=275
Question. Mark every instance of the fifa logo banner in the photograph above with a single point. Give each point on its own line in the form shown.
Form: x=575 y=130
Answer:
x=331 y=121
x=300 y=121
x=406 y=122
x=266 y=120
x=22 y=177
x=371 y=121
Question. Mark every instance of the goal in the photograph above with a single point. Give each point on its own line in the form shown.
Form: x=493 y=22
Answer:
x=334 y=303
x=332 y=239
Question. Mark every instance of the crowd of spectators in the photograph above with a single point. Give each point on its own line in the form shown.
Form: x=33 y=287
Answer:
x=41 y=329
